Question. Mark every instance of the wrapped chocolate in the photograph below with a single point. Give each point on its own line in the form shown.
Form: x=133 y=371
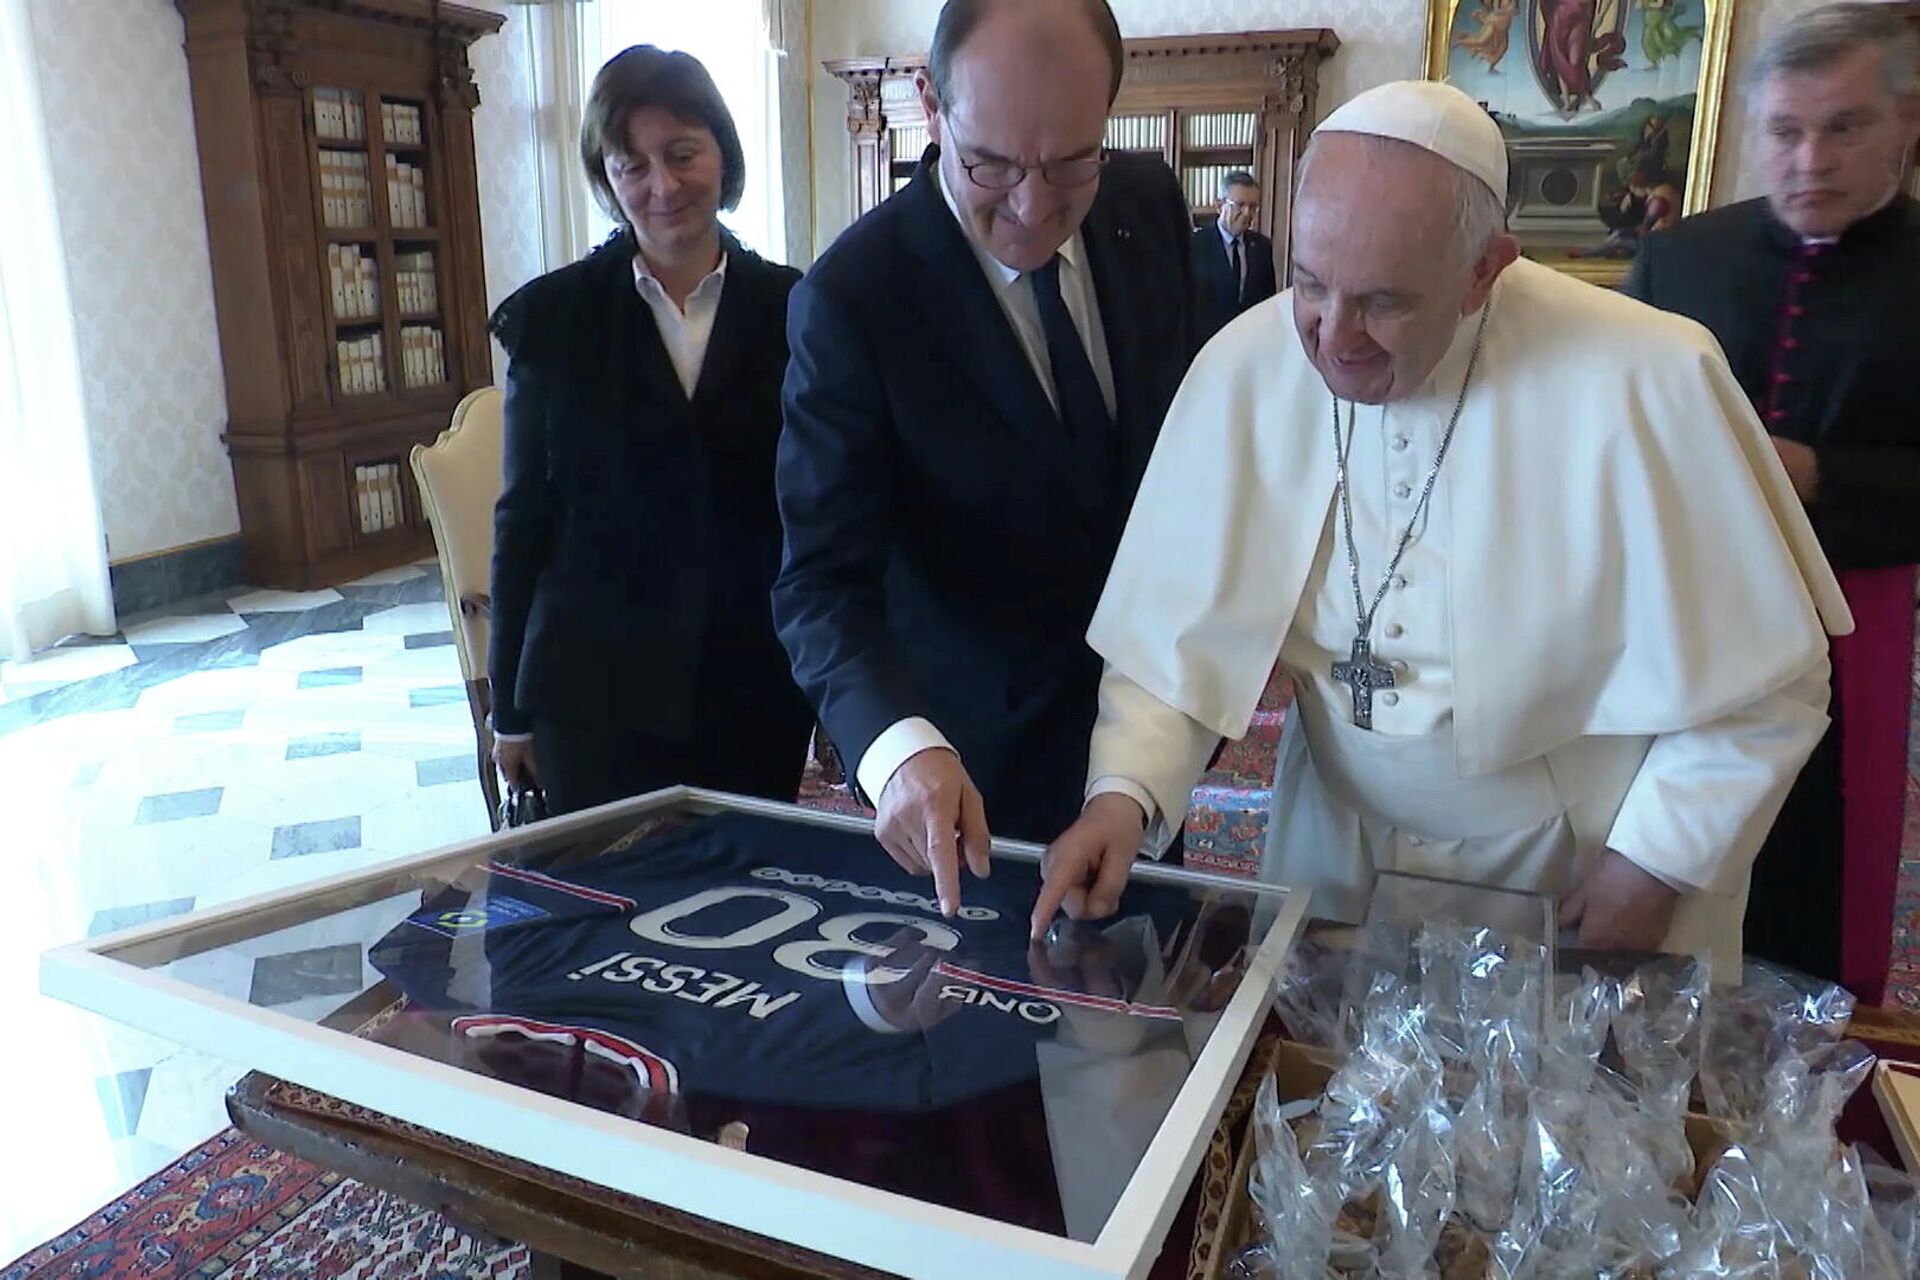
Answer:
x=1895 y=1200
x=1377 y=1096
x=1656 y=1024
x=1747 y=1030
x=1312 y=999
x=1582 y=1016
x=1493 y=1121
x=1295 y=1210
x=1734 y=1234
x=1416 y=1197
x=1788 y=1201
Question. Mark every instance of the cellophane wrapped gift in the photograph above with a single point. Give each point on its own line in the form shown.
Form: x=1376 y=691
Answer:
x=1489 y=1120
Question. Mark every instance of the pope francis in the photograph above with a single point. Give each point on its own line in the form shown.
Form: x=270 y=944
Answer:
x=1554 y=617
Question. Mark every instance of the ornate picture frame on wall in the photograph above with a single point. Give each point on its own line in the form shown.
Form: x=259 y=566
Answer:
x=1611 y=111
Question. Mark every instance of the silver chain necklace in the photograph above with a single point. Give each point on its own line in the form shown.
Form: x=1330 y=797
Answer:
x=1362 y=673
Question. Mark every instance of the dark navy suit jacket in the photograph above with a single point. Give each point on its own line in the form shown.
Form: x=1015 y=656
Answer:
x=946 y=541
x=636 y=536
x=1218 y=295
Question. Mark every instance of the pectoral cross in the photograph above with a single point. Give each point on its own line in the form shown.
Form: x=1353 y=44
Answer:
x=1362 y=674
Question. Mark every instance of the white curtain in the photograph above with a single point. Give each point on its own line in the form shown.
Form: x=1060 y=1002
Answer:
x=736 y=41
x=53 y=564
x=564 y=42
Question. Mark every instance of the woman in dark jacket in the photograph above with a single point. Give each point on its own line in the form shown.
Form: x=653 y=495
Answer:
x=636 y=537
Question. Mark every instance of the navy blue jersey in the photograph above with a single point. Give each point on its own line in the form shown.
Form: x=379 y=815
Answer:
x=762 y=961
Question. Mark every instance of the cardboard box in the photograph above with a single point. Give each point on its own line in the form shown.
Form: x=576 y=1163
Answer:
x=1896 y=1087
x=1301 y=1071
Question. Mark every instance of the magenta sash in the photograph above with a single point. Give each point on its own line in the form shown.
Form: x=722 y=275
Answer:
x=1873 y=680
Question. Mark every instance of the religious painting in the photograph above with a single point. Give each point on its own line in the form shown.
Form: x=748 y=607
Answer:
x=1610 y=110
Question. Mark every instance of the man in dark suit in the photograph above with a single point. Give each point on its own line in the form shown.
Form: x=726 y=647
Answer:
x=1232 y=263
x=980 y=368
x=1814 y=293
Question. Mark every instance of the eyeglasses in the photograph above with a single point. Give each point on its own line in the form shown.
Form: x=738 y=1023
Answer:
x=1005 y=175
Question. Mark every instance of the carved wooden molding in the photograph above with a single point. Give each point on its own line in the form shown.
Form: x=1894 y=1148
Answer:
x=1318 y=40
x=864 y=114
x=1205 y=59
x=270 y=50
x=455 y=20
x=456 y=89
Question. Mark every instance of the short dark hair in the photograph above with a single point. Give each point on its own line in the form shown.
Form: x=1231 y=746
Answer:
x=959 y=18
x=646 y=76
x=1238 y=178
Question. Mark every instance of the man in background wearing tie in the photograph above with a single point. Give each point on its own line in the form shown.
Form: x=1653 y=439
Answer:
x=1232 y=263
x=980 y=367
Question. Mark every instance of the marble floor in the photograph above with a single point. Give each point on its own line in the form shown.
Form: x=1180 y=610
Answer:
x=214 y=751
x=237 y=745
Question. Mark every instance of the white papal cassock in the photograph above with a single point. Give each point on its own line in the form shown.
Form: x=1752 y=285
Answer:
x=1609 y=632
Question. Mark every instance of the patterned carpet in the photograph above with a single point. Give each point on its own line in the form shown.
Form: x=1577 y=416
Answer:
x=235 y=1209
x=1903 y=986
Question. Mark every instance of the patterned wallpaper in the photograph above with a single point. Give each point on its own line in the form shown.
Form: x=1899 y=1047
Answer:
x=796 y=153
x=127 y=183
x=504 y=155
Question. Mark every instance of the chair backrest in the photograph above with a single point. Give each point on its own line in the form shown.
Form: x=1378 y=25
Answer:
x=459 y=478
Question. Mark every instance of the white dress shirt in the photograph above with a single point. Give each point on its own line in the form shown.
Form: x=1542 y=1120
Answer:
x=907 y=738
x=684 y=333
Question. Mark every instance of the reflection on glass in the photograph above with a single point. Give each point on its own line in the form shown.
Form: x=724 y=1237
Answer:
x=782 y=987
x=1400 y=898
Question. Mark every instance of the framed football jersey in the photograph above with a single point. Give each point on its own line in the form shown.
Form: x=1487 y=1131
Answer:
x=747 y=1012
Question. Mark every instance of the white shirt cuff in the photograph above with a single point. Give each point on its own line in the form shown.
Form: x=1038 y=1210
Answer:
x=507 y=737
x=897 y=744
x=1155 y=839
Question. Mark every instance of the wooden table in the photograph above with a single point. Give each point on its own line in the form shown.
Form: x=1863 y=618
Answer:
x=572 y=1228
x=577 y=1230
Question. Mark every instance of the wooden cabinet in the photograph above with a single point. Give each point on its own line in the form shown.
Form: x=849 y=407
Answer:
x=1204 y=104
x=336 y=157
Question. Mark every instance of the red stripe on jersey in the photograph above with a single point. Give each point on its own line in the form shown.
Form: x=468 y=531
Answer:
x=562 y=886
x=655 y=1072
x=1054 y=994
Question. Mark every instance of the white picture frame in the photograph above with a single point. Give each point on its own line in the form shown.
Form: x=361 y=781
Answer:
x=828 y=1215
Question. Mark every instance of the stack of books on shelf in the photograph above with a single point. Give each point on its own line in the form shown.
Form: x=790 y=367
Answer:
x=423 y=357
x=1221 y=129
x=413 y=274
x=905 y=143
x=400 y=124
x=363 y=365
x=406 y=194
x=355 y=281
x=1137 y=133
x=346 y=198
x=1202 y=182
x=338 y=117
x=378 y=489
